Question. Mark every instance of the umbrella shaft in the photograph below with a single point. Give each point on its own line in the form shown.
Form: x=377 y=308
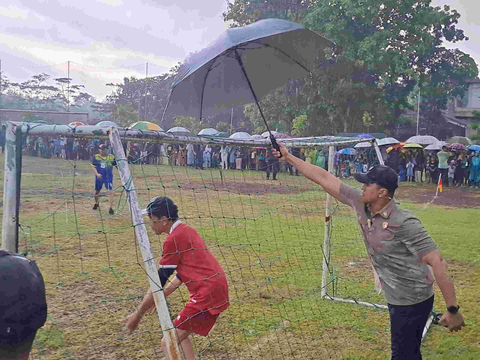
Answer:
x=240 y=62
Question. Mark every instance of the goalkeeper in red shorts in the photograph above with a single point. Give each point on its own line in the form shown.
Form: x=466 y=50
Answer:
x=185 y=252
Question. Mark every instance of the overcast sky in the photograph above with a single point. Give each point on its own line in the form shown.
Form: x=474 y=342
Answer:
x=106 y=40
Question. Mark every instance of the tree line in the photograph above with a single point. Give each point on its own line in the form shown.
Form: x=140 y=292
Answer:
x=387 y=51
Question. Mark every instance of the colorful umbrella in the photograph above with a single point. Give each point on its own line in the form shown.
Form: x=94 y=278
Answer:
x=396 y=146
x=240 y=135
x=437 y=146
x=460 y=140
x=348 y=151
x=474 y=148
x=145 y=125
x=422 y=139
x=107 y=124
x=178 y=130
x=76 y=123
x=208 y=131
x=387 y=141
x=365 y=136
x=457 y=147
x=412 y=146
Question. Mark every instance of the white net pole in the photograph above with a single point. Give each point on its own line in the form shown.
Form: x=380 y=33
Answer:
x=169 y=332
x=328 y=211
x=9 y=226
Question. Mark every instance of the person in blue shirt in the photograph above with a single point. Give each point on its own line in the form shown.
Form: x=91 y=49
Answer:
x=102 y=166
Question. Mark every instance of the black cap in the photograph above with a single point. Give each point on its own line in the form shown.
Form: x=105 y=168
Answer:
x=23 y=307
x=161 y=206
x=102 y=147
x=382 y=175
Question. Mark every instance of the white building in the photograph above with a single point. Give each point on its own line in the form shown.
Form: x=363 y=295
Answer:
x=460 y=112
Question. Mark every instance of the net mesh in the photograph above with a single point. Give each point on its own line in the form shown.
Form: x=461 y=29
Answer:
x=267 y=235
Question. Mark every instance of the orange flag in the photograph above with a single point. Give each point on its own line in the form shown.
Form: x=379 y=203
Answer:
x=440 y=184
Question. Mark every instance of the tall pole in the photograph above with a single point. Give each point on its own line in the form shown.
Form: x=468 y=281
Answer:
x=418 y=110
x=328 y=224
x=10 y=198
x=231 y=123
x=68 y=91
x=169 y=332
x=146 y=90
x=0 y=84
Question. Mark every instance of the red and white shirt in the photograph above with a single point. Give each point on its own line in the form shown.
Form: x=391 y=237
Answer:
x=198 y=269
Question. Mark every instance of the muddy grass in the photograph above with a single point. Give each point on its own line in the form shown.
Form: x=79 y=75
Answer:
x=457 y=197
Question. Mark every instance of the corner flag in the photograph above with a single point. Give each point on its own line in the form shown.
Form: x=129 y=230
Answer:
x=440 y=184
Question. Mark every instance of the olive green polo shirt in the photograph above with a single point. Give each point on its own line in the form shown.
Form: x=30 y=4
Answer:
x=396 y=242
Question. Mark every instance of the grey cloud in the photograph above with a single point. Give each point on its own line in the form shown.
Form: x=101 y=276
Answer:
x=204 y=8
x=106 y=30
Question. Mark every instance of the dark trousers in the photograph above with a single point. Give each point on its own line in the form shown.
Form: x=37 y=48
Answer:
x=406 y=326
x=444 y=174
x=272 y=166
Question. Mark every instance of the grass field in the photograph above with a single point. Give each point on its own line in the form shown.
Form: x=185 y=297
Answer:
x=267 y=235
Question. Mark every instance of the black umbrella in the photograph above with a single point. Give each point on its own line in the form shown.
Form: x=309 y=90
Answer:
x=244 y=64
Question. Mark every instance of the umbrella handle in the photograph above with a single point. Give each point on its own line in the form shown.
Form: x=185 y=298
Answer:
x=275 y=144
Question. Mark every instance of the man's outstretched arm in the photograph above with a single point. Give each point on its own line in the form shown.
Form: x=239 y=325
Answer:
x=330 y=183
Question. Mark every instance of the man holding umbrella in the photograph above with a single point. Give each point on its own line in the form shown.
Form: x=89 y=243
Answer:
x=400 y=249
x=443 y=165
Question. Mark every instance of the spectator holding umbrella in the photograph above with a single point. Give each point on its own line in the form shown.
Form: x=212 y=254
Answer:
x=207 y=156
x=432 y=168
x=224 y=152
x=190 y=155
x=474 y=176
x=458 y=179
x=443 y=156
x=232 y=157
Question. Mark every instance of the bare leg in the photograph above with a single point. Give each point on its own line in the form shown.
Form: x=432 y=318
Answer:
x=110 y=198
x=97 y=197
x=186 y=343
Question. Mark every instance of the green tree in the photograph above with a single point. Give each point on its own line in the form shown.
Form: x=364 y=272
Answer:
x=244 y=12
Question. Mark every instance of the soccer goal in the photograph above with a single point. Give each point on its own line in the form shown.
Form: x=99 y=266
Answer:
x=285 y=245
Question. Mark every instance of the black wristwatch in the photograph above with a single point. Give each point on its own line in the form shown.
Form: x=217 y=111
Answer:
x=453 y=309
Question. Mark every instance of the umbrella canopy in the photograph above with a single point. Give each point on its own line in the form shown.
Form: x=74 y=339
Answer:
x=243 y=65
x=240 y=135
x=474 y=148
x=365 y=144
x=145 y=125
x=437 y=146
x=282 y=136
x=396 y=147
x=457 y=147
x=423 y=139
x=266 y=134
x=76 y=123
x=412 y=146
x=365 y=136
x=208 y=131
x=348 y=151
x=387 y=141
x=460 y=140
x=222 y=134
x=258 y=137
x=178 y=130
x=107 y=124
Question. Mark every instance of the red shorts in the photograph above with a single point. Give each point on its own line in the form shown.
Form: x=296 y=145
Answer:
x=195 y=321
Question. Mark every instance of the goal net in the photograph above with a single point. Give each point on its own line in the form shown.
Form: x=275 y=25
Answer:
x=281 y=260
